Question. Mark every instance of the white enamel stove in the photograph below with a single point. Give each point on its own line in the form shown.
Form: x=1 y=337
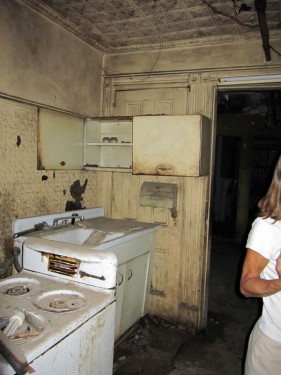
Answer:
x=68 y=326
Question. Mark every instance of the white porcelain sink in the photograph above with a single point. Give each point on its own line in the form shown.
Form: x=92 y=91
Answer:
x=76 y=236
x=101 y=244
x=80 y=236
x=112 y=236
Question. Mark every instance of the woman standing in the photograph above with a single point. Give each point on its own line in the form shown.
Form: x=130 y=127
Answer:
x=261 y=277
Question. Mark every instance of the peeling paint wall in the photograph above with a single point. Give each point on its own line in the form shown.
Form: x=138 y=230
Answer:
x=42 y=63
x=182 y=257
x=25 y=191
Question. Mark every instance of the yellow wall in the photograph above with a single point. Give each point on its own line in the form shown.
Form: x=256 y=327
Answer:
x=22 y=190
x=217 y=58
x=42 y=62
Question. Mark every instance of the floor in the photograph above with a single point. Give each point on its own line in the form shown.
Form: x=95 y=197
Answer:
x=155 y=346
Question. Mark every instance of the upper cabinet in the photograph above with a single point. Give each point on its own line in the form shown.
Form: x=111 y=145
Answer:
x=154 y=145
x=171 y=145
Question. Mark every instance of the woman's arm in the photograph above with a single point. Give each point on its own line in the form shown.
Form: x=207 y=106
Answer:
x=251 y=285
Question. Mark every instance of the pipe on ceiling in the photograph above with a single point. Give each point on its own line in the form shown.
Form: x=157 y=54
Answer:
x=260 y=7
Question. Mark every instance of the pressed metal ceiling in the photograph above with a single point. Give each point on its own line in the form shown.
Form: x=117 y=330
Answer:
x=127 y=25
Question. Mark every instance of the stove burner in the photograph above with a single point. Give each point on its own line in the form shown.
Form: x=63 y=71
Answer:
x=19 y=287
x=64 y=304
x=18 y=290
x=60 y=301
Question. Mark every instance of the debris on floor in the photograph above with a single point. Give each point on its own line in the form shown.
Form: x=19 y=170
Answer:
x=155 y=346
x=150 y=347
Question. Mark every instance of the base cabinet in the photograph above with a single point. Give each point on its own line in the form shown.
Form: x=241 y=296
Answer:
x=133 y=285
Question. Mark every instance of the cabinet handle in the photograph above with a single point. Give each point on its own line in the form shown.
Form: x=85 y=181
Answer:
x=122 y=278
x=130 y=273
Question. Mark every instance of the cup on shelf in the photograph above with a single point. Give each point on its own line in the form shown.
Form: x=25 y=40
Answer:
x=106 y=140
x=113 y=140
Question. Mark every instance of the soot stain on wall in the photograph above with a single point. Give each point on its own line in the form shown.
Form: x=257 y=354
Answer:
x=76 y=191
x=18 y=141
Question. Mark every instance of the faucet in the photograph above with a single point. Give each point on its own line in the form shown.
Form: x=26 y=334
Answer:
x=64 y=220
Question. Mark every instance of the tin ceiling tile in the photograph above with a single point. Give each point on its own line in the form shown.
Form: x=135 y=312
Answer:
x=209 y=31
x=178 y=16
x=199 y=12
x=204 y=22
x=97 y=22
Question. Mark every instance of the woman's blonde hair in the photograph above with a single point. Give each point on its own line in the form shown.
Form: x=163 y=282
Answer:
x=270 y=204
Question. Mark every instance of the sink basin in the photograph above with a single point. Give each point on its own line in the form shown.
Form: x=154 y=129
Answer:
x=75 y=236
x=100 y=244
x=81 y=236
x=112 y=236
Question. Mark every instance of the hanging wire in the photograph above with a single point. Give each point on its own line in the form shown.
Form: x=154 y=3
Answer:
x=273 y=49
x=237 y=10
x=159 y=49
x=229 y=15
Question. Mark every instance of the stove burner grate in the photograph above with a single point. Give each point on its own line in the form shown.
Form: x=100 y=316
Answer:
x=64 y=304
x=18 y=290
x=60 y=301
x=19 y=287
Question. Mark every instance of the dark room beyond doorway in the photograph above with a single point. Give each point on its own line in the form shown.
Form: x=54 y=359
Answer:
x=247 y=144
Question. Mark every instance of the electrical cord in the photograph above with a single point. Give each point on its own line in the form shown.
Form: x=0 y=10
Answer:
x=5 y=266
x=234 y=18
x=16 y=252
x=159 y=49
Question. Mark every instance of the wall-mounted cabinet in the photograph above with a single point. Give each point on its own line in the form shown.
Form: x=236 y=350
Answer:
x=66 y=141
x=153 y=145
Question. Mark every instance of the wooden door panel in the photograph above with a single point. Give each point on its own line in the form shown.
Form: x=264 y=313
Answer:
x=151 y=101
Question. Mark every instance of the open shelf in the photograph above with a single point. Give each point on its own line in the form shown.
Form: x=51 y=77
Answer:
x=100 y=155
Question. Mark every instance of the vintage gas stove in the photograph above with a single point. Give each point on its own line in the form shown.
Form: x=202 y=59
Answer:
x=52 y=325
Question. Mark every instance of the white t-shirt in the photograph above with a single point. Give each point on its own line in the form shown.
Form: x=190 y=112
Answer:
x=265 y=238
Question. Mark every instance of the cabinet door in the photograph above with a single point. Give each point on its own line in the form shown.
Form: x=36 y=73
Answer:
x=60 y=140
x=171 y=145
x=135 y=290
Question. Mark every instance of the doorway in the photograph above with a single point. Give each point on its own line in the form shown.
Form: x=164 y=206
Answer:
x=225 y=185
x=248 y=142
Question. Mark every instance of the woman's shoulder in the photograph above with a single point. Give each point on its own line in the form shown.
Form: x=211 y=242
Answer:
x=268 y=222
x=265 y=236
